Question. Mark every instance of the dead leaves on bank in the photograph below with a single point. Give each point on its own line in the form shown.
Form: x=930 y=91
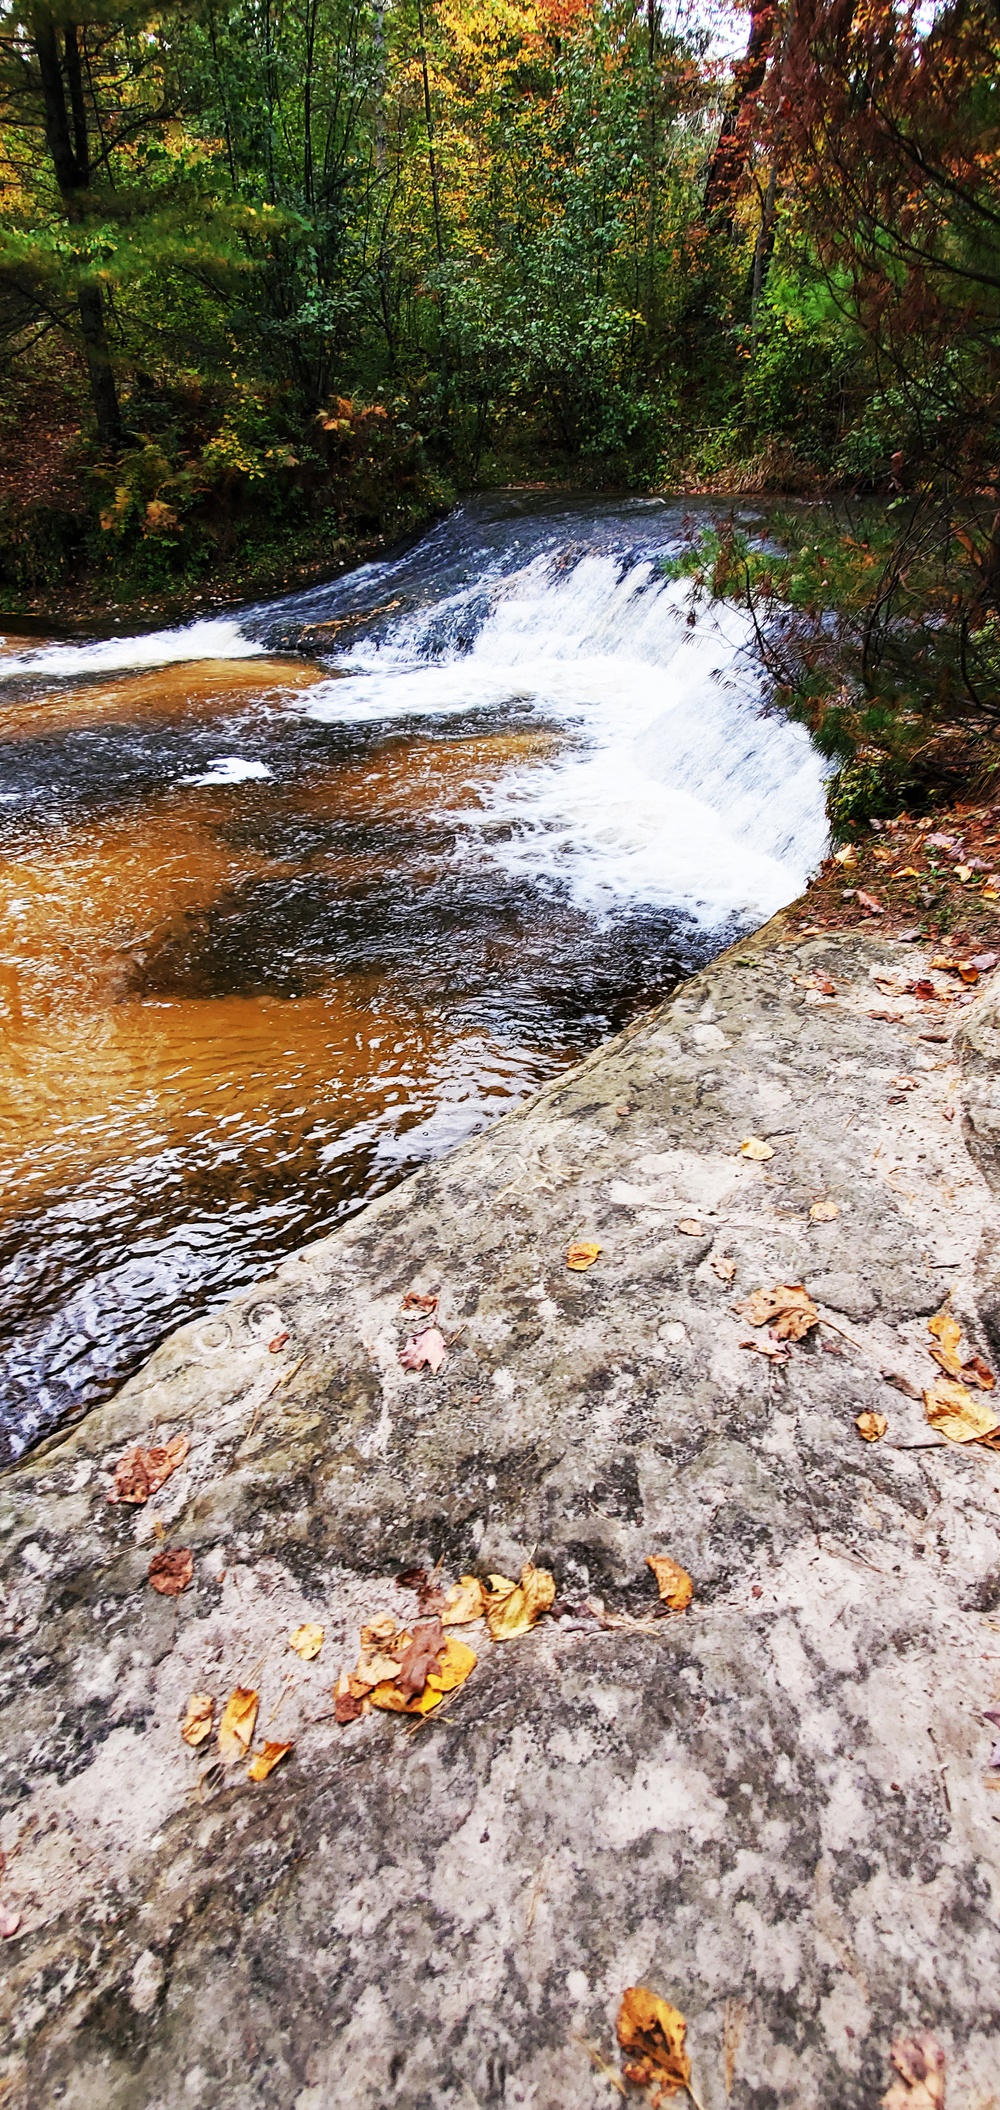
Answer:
x=306 y=1641
x=196 y=1727
x=236 y=1732
x=651 y=2034
x=948 y=1403
x=264 y=1761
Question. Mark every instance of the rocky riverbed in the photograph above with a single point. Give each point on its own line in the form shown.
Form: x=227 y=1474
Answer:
x=774 y=1808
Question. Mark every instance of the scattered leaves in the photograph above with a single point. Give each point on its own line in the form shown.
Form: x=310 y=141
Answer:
x=424 y=1349
x=239 y=1719
x=140 y=1473
x=278 y=1343
x=581 y=1254
x=824 y=1212
x=787 y=1308
x=976 y=1372
x=450 y=1670
x=920 y=2063
x=951 y=1409
x=723 y=1265
x=672 y=1581
x=170 y=1573
x=465 y=1601
x=306 y=1641
x=871 y=1426
x=196 y=1727
x=264 y=1761
x=512 y=1608
x=652 y=2033
x=755 y=1147
x=420 y=1657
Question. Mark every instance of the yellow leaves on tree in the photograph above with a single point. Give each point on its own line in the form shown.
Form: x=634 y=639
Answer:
x=651 y=2033
x=512 y=1608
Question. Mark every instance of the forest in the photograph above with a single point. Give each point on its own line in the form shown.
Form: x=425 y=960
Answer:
x=279 y=279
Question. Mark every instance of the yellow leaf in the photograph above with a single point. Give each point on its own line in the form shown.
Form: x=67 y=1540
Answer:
x=378 y=1630
x=951 y=1408
x=197 y=1723
x=264 y=1761
x=824 y=1212
x=239 y=1717
x=652 y=2032
x=512 y=1608
x=673 y=1582
x=847 y=856
x=871 y=1426
x=306 y=1641
x=948 y=1333
x=466 y=1600
x=581 y=1254
x=755 y=1147
x=962 y=873
x=787 y=1307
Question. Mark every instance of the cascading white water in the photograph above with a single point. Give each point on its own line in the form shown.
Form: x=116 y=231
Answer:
x=674 y=787
x=212 y=637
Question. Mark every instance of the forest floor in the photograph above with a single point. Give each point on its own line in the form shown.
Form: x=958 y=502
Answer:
x=724 y=1296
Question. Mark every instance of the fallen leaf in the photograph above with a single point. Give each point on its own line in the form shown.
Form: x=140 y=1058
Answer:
x=952 y=1409
x=420 y=1657
x=723 y=1265
x=691 y=1227
x=652 y=2033
x=451 y=1670
x=962 y=873
x=904 y=1084
x=306 y=1641
x=920 y=2062
x=197 y=1723
x=847 y=856
x=984 y=961
x=948 y=1333
x=465 y=1601
x=824 y=1212
x=512 y=1608
x=424 y=1348
x=278 y=1342
x=411 y=1579
x=924 y=989
x=139 y=1473
x=347 y=1706
x=9 y=1923
x=264 y=1761
x=755 y=1147
x=378 y=1630
x=672 y=1581
x=775 y=1351
x=374 y=1667
x=901 y=1383
x=170 y=1573
x=976 y=1372
x=868 y=901
x=788 y=1309
x=581 y=1254
x=871 y=1426
x=413 y=1301
x=239 y=1717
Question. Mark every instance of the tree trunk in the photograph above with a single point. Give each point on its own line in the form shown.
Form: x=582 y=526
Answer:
x=729 y=159
x=66 y=139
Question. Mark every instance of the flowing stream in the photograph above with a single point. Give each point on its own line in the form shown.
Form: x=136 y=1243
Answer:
x=274 y=929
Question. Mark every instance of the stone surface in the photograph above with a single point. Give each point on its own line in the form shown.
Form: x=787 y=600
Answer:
x=774 y=1809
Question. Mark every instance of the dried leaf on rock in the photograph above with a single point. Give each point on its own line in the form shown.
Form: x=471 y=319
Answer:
x=264 y=1761
x=755 y=1147
x=420 y=1657
x=140 y=1473
x=871 y=1426
x=197 y=1723
x=411 y=1579
x=904 y=1084
x=672 y=1581
x=424 y=1349
x=920 y=2063
x=868 y=901
x=652 y=2033
x=951 y=1408
x=374 y=1667
x=9 y=1923
x=976 y=1372
x=512 y=1608
x=465 y=1601
x=239 y=1718
x=774 y=1351
x=787 y=1308
x=413 y=1301
x=691 y=1227
x=306 y=1641
x=948 y=1333
x=347 y=1706
x=824 y=1212
x=378 y=1630
x=924 y=989
x=581 y=1254
x=170 y=1573
x=723 y=1265
x=450 y=1671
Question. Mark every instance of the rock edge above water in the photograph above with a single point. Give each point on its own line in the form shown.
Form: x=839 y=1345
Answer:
x=774 y=1809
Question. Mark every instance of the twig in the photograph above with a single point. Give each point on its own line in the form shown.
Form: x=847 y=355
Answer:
x=602 y=2064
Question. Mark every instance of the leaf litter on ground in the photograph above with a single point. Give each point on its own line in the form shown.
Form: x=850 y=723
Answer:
x=788 y=1310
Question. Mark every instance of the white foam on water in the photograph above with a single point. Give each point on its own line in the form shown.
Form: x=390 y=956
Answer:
x=210 y=638
x=674 y=787
x=232 y=769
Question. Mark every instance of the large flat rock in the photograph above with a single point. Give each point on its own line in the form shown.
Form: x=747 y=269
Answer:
x=774 y=1809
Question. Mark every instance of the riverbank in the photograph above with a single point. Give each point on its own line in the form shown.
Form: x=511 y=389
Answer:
x=773 y=1807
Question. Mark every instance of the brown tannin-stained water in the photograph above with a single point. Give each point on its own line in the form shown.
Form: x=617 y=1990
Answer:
x=275 y=929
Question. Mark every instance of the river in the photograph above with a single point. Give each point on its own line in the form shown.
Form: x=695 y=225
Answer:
x=275 y=929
